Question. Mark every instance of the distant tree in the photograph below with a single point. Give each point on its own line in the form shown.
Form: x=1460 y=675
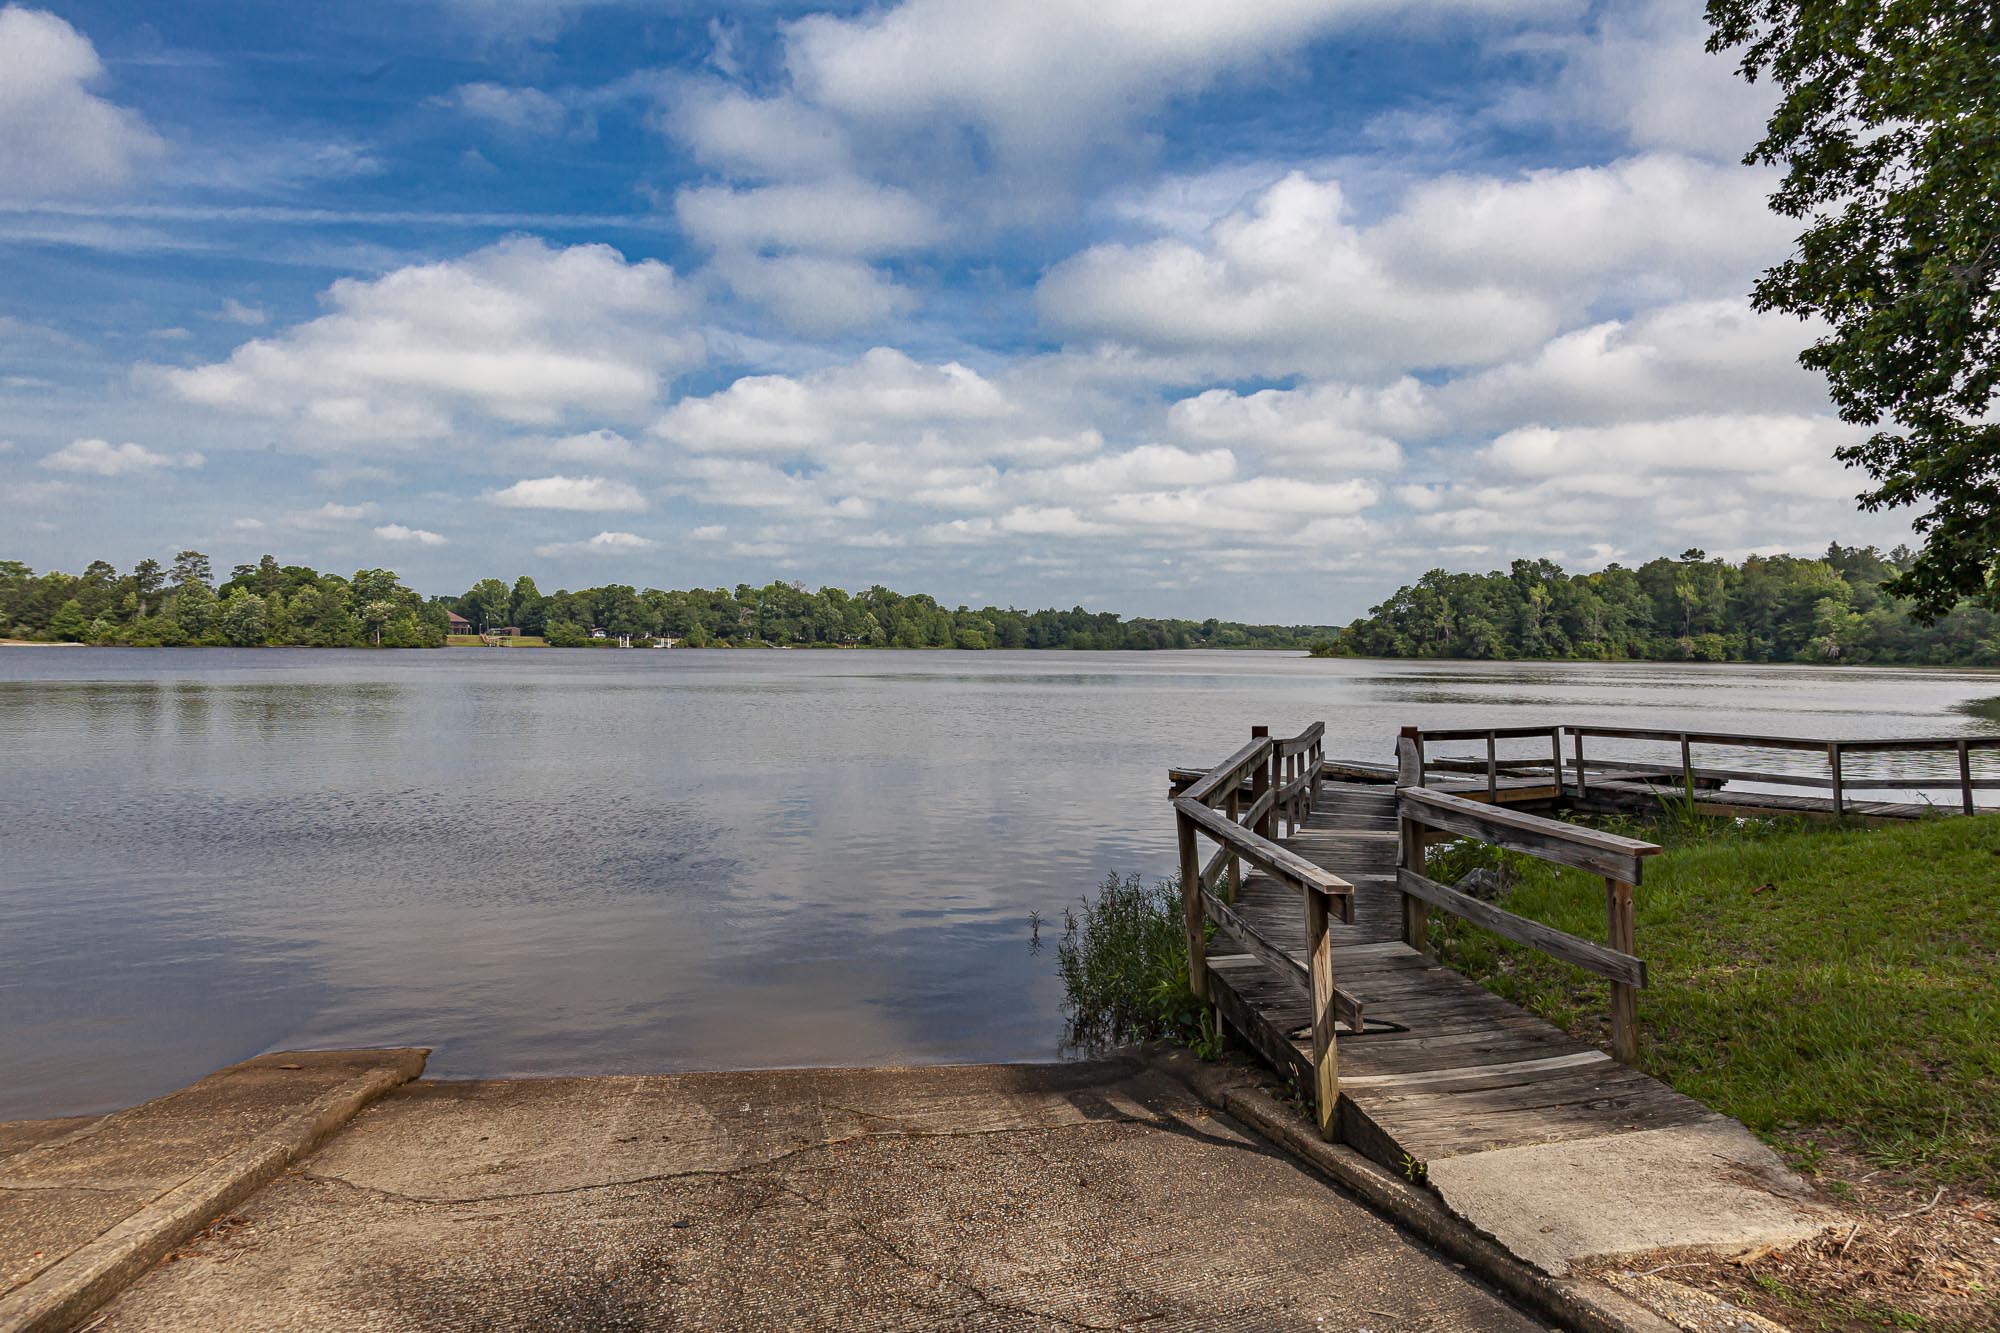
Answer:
x=526 y=607
x=374 y=615
x=191 y=567
x=147 y=578
x=1889 y=130
x=68 y=623
x=243 y=619
x=486 y=604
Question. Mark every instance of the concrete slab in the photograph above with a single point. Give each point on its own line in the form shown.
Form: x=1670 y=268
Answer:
x=19 y=1135
x=1096 y=1195
x=84 y=1210
x=1710 y=1185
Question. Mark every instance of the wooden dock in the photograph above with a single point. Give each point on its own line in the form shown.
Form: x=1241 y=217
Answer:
x=1307 y=925
x=1442 y=1066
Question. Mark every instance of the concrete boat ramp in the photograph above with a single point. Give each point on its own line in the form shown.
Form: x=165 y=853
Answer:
x=336 y=1190
x=1095 y=1195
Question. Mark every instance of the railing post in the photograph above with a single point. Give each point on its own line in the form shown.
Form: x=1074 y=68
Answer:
x=1260 y=782
x=1965 y=776
x=1416 y=912
x=1622 y=933
x=1833 y=760
x=1326 y=1062
x=1492 y=772
x=1194 y=914
x=1556 y=759
x=1410 y=758
x=1235 y=862
x=1687 y=765
x=1582 y=783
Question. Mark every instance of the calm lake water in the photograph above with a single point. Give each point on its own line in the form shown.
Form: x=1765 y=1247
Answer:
x=544 y=862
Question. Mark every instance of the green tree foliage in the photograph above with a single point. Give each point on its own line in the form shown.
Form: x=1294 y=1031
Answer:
x=292 y=604
x=264 y=603
x=1889 y=130
x=1839 y=608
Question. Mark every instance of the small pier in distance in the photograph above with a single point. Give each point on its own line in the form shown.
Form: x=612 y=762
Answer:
x=1307 y=908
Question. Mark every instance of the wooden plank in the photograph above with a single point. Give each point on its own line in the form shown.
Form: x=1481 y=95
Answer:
x=1512 y=1067
x=1624 y=996
x=1549 y=839
x=1258 y=1028
x=1616 y=964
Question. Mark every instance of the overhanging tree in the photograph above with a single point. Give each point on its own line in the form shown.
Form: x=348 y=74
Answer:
x=1889 y=130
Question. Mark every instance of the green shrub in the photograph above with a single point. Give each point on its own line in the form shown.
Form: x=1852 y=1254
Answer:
x=1123 y=959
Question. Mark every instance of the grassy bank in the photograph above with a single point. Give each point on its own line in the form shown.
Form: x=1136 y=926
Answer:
x=1832 y=989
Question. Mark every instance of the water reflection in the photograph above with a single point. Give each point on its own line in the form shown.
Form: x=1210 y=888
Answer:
x=541 y=862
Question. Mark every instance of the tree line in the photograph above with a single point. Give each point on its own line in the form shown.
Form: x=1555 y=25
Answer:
x=1778 y=608
x=294 y=605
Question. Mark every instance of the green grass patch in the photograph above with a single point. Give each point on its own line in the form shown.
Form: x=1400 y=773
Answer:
x=1123 y=960
x=1821 y=985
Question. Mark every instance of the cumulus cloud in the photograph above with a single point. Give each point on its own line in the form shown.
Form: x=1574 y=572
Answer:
x=602 y=447
x=519 y=332
x=849 y=217
x=815 y=295
x=588 y=494
x=527 y=111
x=236 y=312
x=1330 y=427
x=101 y=458
x=57 y=138
x=604 y=543
x=396 y=532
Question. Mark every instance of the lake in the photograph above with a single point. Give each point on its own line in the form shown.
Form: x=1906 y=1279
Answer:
x=550 y=861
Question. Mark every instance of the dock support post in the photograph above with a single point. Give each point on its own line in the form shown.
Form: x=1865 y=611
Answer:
x=1965 y=777
x=1623 y=935
x=1260 y=782
x=1556 y=759
x=1833 y=761
x=1416 y=912
x=1326 y=1061
x=1582 y=783
x=1492 y=771
x=1193 y=914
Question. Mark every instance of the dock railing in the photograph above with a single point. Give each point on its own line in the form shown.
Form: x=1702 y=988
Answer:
x=1575 y=775
x=1426 y=816
x=1234 y=806
x=1839 y=779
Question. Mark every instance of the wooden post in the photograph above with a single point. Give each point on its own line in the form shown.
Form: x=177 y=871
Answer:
x=1833 y=759
x=1410 y=758
x=1416 y=912
x=1492 y=772
x=1556 y=758
x=1687 y=765
x=1194 y=915
x=1326 y=1063
x=1235 y=862
x=1624 y=999
x=1965 y=776
x=1582 y=783
x=1260 y=782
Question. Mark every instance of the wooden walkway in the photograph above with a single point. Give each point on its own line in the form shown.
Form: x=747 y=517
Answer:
x=1442 y=1067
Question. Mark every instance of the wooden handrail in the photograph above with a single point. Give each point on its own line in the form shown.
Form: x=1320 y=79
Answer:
x=1619 y=860
x=1229 y=773
x=1516 y=830
x=1281 y=777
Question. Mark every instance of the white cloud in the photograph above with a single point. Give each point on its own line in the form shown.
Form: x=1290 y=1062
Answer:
x=1329 y=426
x=602 y=447
x=236 y=312
x=813 y=294
x=1644 y=70
x=755 y=136
x=332 y=514
x=885 y=395
x=396 y=532
x=604 y=543
x=840 y=216
x=520 y=110
x=1615 y=458
x=247 y=525
x=56 y=137
x=101 y=458
x=517 y=332
x=587 y=494
x=1287 y=284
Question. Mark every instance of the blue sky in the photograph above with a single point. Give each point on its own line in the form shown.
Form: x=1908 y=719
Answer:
x=1245 y=309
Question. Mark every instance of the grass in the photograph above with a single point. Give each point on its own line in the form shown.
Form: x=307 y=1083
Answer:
x=1831 y=988
x=1123 y=960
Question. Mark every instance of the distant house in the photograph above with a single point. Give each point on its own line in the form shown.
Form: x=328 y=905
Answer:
x=454 y=623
